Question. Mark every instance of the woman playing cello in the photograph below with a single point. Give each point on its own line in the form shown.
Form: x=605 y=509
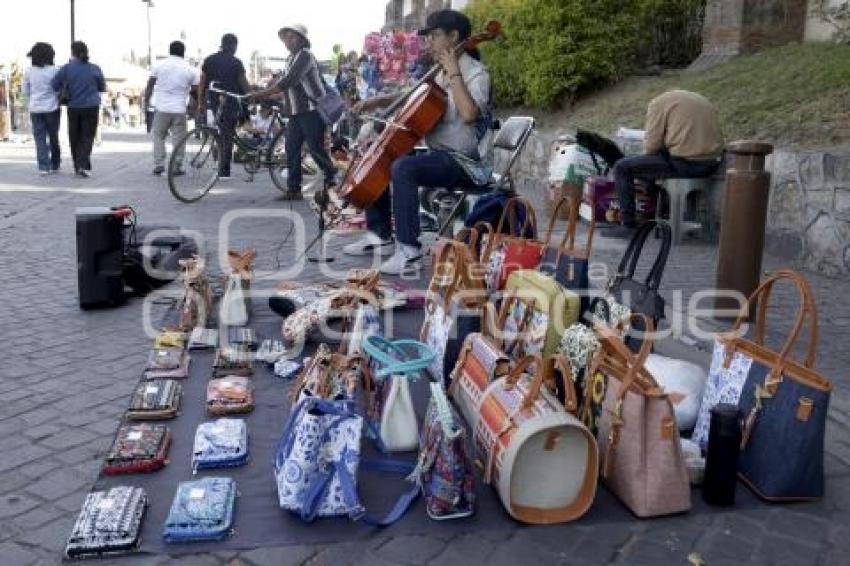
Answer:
x=453 y=159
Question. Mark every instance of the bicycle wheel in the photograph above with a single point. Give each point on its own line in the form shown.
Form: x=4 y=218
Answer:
x=194 y=178
x=278 y=166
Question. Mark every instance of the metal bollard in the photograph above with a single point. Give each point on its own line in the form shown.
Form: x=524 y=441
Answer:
x=743 y=221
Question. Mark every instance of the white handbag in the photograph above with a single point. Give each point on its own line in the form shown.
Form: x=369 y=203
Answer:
x=683 y=382
x=391 y=416
x=234 y=303
x=543 y=461
x=726 y=378
x=399 y=428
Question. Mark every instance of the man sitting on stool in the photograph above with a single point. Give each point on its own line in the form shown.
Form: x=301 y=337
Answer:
x=683 y=141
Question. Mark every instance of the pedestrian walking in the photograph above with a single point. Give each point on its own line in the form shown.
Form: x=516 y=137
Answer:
x=228 y=73
x=170 y=83
x=43 y=107
x=83 y=82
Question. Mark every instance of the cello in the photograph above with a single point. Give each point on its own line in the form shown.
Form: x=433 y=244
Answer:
x=419 y=111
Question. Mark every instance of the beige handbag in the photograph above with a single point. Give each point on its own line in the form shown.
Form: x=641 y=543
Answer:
x=642 y=461
x=542 y=461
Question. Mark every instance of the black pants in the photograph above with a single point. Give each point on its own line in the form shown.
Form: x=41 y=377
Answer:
x=82 y=128
x=651 y=168
x=227 y=129
x=310 y=128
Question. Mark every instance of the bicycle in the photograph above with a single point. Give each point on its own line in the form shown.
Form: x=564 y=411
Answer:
x=201 y=149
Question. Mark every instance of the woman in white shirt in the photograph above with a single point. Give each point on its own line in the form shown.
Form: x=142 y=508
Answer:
x=43 y=107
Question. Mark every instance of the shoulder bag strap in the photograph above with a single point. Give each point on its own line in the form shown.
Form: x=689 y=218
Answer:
x=653 y=280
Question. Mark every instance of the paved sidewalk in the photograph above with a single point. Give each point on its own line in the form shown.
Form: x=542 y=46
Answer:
x=68 y=374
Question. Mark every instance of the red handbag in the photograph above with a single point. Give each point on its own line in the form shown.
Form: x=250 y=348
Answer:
x=505 y=253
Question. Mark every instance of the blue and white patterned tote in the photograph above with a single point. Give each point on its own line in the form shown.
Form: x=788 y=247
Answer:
x=726 y=378
x=320 y=445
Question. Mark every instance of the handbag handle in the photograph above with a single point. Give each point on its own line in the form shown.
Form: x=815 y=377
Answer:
x=484 y=228
x=806 y=308
x=444 y=413
x=378 y=348
x=628 y=264
x=536 y=383
x=559 y=362
x=568 y=242
x=510 y=212
x=634 y=362
x=439 y=279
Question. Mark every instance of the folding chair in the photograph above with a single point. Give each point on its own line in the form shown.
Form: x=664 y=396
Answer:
x=511 y=139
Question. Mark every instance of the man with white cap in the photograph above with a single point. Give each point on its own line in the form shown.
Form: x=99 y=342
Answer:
x=302 y=85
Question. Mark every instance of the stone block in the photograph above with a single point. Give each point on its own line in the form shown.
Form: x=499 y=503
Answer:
x=837 y=167
x=786 y=206
x=409 y=549
x=811 y=169
x=279 y=555
x=16 y=554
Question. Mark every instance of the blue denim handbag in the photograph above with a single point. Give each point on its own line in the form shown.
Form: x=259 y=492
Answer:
x=222 y=443
x=201 y=510
x=566 y=263
x=784 y=404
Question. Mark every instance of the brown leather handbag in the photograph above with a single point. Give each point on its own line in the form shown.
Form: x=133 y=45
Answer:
x=642 y=461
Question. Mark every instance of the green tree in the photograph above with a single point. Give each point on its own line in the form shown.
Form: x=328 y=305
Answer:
x=553 y=48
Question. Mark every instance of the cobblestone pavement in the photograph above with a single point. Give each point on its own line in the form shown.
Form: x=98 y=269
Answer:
x=67 y=375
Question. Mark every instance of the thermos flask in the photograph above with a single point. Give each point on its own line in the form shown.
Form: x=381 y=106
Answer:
x=721 y=461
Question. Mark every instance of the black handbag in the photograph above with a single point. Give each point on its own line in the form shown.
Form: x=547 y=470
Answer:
x=642 y=297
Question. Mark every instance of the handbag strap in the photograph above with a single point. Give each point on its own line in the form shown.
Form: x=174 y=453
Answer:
x=352 y=498
x=402 y=363
x=806 y=309
x=536 y=383
x=510 y=213
x=560 y=363
x=628 y=264
x=444 y=413
x=343 y=409
x=568 y=242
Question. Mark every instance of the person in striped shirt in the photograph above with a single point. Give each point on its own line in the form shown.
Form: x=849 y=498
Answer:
x=301 y=85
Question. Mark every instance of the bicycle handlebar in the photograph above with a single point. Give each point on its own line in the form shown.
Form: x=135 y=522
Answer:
x=213 y=88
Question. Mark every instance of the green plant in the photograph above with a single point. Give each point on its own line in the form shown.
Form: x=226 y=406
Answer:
x=553 y=48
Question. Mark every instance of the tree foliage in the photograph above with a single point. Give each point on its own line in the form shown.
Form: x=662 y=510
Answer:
x=557 y=47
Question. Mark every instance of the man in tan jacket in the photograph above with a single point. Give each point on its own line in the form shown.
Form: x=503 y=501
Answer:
x=683 y=141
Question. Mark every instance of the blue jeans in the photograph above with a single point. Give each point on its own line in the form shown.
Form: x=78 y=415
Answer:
x=651 y=168
x=308 y=128
x=45 y=130
x=408 y=173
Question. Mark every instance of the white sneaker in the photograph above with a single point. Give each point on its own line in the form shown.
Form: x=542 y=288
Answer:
x=404 y=260
x=368 y=244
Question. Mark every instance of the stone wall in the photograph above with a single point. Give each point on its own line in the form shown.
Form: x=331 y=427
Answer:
x=734 y=27
x=809 y=211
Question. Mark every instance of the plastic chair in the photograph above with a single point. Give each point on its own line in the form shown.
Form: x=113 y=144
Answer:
x=678 y=191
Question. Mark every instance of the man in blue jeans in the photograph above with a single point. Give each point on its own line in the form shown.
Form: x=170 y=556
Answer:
x=453 y=159
x=683 y=141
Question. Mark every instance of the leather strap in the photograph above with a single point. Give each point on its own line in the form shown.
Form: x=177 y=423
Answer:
x=568 y=242
x=805 y=310
x=559 y=362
